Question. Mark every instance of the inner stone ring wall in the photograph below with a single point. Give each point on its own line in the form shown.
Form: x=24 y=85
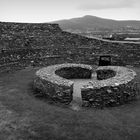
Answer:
x=114 y=85
x=50 y=81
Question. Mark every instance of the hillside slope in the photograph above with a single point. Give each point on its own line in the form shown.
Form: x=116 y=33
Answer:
x=89 y=23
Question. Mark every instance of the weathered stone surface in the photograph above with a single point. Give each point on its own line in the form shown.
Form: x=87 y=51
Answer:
x=105 y=74
x=114 y=91
x=75 y=72
x=48 y=82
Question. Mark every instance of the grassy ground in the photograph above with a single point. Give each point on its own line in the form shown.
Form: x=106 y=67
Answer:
x=23 y=116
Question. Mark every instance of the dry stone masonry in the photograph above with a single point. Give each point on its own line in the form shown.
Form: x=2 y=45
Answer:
x=24 y=43
x=114 y=85
x=48 y=82
x=116 y=90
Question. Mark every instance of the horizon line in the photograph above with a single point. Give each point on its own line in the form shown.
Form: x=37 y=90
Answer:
x=51 y=21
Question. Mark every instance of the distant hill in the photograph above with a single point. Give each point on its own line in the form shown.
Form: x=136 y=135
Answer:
x=89 y=23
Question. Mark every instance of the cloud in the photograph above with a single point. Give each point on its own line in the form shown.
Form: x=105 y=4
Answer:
x=106 y=4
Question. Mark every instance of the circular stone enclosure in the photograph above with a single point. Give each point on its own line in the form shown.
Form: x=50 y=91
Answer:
x=114 y=85
x=74 y=72
x=54 y=80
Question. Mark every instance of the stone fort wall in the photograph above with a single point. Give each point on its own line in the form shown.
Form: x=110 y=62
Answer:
x=26 y=44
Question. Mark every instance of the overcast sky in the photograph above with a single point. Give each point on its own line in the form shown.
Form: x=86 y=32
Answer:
x=50 y=10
